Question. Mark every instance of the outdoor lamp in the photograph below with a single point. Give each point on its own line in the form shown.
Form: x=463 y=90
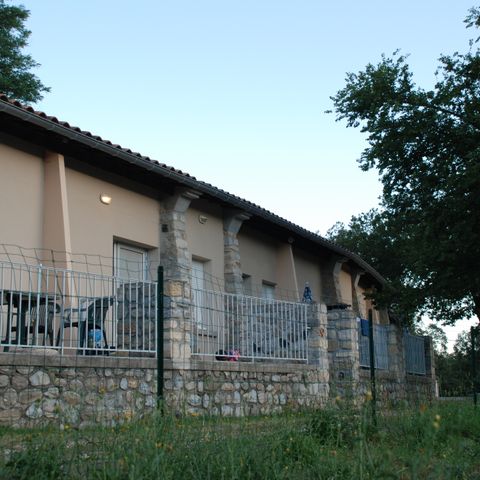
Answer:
x=105 y=198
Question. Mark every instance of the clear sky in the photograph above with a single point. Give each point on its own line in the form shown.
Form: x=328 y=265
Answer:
x=234 y=92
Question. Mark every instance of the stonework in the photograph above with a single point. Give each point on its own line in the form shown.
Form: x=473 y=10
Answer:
x=176 y=259
x=77 y=392
x=136 y=314
x=232 y=223
x=343 y=353
x=349 y=379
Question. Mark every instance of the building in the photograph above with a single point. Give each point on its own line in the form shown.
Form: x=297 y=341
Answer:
x=86 y=223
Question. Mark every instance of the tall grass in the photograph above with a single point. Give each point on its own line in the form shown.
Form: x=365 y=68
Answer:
x=338 y=442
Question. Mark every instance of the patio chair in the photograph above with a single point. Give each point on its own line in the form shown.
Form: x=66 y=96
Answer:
x=91 y=315
x=41 y=323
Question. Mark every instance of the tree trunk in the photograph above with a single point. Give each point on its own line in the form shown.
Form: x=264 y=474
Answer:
x=476 y=303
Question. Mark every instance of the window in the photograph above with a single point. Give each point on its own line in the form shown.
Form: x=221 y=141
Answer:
x=130 y=262
x=268 y=290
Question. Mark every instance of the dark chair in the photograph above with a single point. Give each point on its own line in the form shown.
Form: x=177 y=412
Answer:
x=41 y=323
x=91 y=316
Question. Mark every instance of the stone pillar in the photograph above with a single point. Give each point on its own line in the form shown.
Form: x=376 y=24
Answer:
x=232 y=223
x=357 y=294
x=396 y=357
x=330 y=276
x=318 y=338
x=177 y=262
x=343 y=352
x=430 y=365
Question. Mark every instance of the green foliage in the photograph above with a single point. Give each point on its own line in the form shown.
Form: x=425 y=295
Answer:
x=439 y=337
x=374 y=237
x=454 y=370
x=16 y=79
x=426 y=147
x=440 y=442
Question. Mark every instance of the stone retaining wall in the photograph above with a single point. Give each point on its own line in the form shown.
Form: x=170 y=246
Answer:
x=391 y=389
x=79 y=391
x=349 y=379
x=245 y=389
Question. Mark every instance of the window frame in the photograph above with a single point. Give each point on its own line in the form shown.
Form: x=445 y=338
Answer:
x=118 y=245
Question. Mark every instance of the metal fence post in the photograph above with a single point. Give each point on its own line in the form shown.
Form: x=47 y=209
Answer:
x=473 y=335
x=372 y=366
x=160 y=336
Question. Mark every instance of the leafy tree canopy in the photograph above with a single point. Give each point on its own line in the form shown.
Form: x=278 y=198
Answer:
x=16 y=79
x=426 y=147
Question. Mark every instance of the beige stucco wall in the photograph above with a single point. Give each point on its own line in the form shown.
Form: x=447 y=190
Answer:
x=258 y=256
x=205 y=242
x=308 y=270
x=21 y=197
x=131 y=217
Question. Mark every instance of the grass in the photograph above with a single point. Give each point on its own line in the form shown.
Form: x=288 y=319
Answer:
x=438 y=442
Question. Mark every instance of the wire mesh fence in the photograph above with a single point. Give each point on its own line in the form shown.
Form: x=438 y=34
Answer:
x=414 y=354
x=226 y=354
x=47 y=307
x=237 y=327
x=380 y=342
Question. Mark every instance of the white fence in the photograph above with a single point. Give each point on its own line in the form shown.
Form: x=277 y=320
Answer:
x=44 y=307
x=237 y=327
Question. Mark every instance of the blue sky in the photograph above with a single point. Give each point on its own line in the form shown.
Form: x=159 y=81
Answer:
x=235 y=92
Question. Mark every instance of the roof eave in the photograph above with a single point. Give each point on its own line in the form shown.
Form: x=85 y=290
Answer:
x=76 y=135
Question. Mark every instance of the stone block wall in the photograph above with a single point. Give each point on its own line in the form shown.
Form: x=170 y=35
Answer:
x=38 y=389
x=238 y=389
x=136 y=315
x=349 y=379
x=343 y=353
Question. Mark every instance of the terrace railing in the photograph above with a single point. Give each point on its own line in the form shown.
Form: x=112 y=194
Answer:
x=66 y=310
x=414 y=354
x=238 y=327
x=380 y=344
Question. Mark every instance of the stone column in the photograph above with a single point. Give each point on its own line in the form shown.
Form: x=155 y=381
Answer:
x=357 y=294
x=330 y=276
x=318 y=337
x=177 y=262
x=343 y=352
x=232 y=222
x=396 y=359
x=430 y=365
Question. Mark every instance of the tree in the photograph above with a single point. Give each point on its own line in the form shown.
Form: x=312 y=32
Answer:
x=16 y=80
x=454 y=370
x=372 y=236
x=426 y=147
